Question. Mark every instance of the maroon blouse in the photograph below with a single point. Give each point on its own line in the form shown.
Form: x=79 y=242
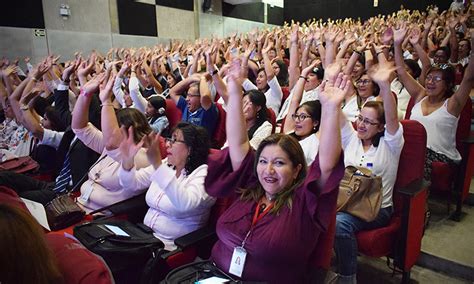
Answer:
x=279 y=246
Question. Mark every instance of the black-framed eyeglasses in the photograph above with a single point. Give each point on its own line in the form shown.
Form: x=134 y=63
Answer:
x=174 y=140
x=300 y=117
x=363 y=82
x=365 y=120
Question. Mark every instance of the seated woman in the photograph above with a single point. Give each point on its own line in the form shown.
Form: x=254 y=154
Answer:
x=155 y=112
x=176 y=196
x=437 y=105
x=376 y=144
x=366 y=91
x=266 y=81
x=304 y=124
x=102 y=187
x=281 y=207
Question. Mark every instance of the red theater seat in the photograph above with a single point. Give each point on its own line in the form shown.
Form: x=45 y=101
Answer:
x=401 y=238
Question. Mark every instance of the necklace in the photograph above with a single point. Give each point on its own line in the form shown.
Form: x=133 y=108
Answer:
x=270 y=197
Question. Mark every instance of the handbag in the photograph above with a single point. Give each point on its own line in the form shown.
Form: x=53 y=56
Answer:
x=62 y=212
x=360 y=193
x=197 y=271
x=125 y=247
x=20 y=165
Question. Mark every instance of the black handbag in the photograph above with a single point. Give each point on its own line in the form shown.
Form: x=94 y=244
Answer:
x=194 y=272
x=62 y=212
x=125 y=246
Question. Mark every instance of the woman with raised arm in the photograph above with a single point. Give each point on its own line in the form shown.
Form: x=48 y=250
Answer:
x=178 y=201
x=304 y=121
x=437 y=105
x=376 y=144
x=266 y=82
x=102 y=187
x=280 y=206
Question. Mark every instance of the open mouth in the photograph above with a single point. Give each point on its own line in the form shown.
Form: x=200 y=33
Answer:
x=270 y=180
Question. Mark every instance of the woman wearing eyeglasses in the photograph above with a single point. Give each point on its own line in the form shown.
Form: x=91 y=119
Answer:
x=304 y=121
x=376 y=145
x=176 y=196
x=437 y=105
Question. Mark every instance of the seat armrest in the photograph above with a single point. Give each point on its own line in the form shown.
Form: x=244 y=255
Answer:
x=412 y=189
x=195 y=237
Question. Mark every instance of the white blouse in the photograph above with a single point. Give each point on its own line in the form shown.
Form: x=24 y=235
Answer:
x=178 y=206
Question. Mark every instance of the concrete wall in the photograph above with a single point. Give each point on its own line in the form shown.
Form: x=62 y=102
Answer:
x=93 y=24
x=86 y=16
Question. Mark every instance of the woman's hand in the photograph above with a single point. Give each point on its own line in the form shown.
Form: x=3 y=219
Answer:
x=381 y=73
x=128 y=148
x=400 y=33
x=415 y=35
x=106 y=85
x=153 y=152
x=333 y=92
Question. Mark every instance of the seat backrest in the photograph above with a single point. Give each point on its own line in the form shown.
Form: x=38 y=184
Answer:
x=464 y=125
x=286 y=94
x=219 y=136
x=271 y=118
x=10 y=197
x=173 y=113
x=412 y=158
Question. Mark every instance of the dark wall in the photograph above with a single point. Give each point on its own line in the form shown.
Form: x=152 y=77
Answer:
x=136 y=18
x=249 y=11
x=275 y=15
x=22 y=14
x=302 y=10
x=178 y=4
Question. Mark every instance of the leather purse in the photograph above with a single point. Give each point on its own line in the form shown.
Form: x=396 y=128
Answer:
x=62 y=212
x=360 y=193
x=20 y=165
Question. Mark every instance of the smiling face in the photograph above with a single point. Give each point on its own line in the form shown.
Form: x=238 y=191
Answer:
x=463 y=48
x=177 y=151
x=261 y=80
x=358 y=70
x=193 y=99
x=275 y=170
x=312 y=83
x=150 y=111
x=435 y=84
x=365 y=86
x=368 y=124
x=276 y=68
x=440 y=57
x=304 y=123
x=170 y=80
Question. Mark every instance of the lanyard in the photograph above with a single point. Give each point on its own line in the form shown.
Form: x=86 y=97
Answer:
x=257 y=216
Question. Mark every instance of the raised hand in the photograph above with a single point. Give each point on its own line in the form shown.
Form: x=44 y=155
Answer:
x=106 y=85
x=400 y=33
x=234 y=84
x=334 y=92
x=331 y=72
x=92 y=86
x=381 y=73
x=128 y=148
x=387 y=36
x=153 y=153
x=415 y=35
x=40 y=70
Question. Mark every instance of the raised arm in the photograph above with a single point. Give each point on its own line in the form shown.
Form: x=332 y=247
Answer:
x=267 y=62
x=206 y=100
x=80 y=115
x=381 y=74
x=414 y=39
x=413 y=87
x=221 y=88
x=109 y=124
x=182 y=86
x=296 y=98
x=151 y=78
x=329 y=153
x=293 y=69
x=458 y=100
x=235 y=124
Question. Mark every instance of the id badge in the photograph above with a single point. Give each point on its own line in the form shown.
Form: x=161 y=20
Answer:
x=87 y=194
x=238 y=261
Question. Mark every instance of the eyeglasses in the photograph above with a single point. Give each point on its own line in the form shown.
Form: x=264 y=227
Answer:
x=174 y=140
x=363 y=82
x=300 y=117
x=365 y=120
x=435 y=79
x=442 y=66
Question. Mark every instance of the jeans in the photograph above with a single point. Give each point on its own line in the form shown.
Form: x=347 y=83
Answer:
x=28 y=187
x=345 y=244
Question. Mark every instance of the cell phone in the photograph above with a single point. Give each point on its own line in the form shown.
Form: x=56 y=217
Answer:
x=118 y=231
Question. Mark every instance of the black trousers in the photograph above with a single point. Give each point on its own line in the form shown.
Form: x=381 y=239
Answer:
x=28 y=187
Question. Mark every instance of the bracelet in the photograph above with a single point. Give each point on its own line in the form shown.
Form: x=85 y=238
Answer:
x=34 y=79
x=379 y=52
x=85 y=94
x=303 y=77
x=107 y=104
